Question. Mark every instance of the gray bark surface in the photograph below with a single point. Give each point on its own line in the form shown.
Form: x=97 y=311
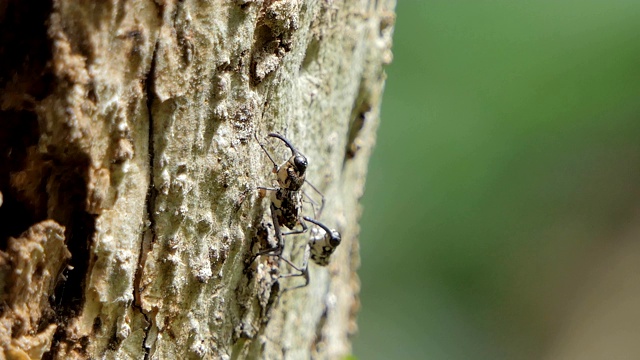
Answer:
x=138 y=169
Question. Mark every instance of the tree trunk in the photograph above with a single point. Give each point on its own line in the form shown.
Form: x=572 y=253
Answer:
x=129 y=169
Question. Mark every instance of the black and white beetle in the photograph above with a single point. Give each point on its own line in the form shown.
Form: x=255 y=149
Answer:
x=286 y=199
x=291 y=173
x=285 y=207
x=322 y=243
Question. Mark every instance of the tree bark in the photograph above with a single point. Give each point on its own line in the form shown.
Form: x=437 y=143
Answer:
x=129 y=206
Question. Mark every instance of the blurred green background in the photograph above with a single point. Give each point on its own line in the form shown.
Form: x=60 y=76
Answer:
x=502 y=201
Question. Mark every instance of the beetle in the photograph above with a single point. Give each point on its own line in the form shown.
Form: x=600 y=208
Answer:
x=323 y=241
x=287 y=196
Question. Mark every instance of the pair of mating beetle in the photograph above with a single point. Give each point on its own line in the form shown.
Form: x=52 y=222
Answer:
x=286 y=206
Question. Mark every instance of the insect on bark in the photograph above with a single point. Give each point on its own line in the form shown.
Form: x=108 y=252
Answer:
x=286 y=205
x=286 y=198
x=321 y=245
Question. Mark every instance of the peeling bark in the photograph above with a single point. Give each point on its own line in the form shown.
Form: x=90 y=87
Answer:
x=30 y=270
x=127 y=130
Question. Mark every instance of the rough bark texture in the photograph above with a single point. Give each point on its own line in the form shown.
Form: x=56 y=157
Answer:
x=129 y=169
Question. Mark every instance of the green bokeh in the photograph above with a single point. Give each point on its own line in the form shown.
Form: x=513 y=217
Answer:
x=508 y=144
